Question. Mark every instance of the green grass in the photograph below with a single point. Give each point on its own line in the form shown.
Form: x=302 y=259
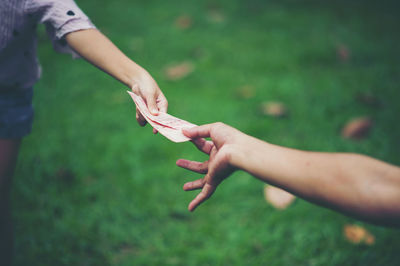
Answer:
x=93 y=188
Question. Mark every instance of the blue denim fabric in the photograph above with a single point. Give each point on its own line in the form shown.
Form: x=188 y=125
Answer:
x=16 y=113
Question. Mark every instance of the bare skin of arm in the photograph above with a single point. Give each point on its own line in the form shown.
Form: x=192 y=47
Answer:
x=96 y=48
x=353 y=184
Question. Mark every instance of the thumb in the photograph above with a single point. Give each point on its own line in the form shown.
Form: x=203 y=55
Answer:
x=135 y=88
x=152 y=105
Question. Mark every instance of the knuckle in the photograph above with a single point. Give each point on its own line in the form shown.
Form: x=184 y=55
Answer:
x=226 y=153
x=204 y=169
x=217 y=126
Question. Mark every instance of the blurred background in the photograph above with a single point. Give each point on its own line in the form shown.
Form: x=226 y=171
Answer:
x=93 y=188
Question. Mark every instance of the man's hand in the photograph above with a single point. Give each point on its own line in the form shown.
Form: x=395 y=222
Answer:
x=219 y=166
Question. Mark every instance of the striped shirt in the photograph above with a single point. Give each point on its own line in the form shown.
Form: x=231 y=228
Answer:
x=19 y=66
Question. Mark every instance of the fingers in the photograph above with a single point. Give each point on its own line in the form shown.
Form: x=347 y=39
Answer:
x=140 y=119
x=205 y=193
x=198 y=132
x=199 y=183
x=203 y=145
x=162 y=103
x=151 y=104
x=198 y=167
x=150 y=98
x=155 y=131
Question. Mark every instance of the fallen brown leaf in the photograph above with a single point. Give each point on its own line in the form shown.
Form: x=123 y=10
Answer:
x=184 y=22
x=357 y=128
x=357 y=235
x=245 y=92
x=369 y=239
x=277 y=197
x=354 y=233
x=274 y=109
x=179 y=71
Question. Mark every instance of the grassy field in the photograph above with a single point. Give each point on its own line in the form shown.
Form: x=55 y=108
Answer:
x=93 y=188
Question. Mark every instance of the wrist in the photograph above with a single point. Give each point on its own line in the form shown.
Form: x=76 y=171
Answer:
x=241 y=152
x=133 y=75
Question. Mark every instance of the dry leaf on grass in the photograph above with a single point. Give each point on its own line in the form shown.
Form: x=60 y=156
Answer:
x=357 y=235
x=245 y=92
x=357 y=128
x=179 y=71
x=369 y=239
x=274 y=109
x=183 y=22
x=277 y=197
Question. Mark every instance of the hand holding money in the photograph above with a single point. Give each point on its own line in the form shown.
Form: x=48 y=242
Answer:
x=168 y=125
x=147 y=88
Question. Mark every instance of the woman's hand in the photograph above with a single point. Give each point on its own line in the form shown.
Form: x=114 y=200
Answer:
x=146 y=87
x=96 y=48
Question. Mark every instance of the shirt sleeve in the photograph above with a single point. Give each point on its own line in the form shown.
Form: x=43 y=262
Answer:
x=60 y=18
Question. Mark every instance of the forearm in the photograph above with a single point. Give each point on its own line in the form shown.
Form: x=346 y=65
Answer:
x=353 y=184
x=102 y=53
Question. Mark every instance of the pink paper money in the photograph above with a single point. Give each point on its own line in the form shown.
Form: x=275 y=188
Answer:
x=168 y=125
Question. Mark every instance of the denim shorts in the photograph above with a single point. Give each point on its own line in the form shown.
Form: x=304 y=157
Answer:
x=16 y=113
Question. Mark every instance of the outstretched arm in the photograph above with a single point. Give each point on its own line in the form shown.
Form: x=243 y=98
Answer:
x=96 y=48
x=353 y=184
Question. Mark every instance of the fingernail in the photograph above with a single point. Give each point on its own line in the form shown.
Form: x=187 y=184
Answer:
x=186 y=131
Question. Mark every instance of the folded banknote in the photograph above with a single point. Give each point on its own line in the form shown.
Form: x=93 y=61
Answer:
x=168 y=125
